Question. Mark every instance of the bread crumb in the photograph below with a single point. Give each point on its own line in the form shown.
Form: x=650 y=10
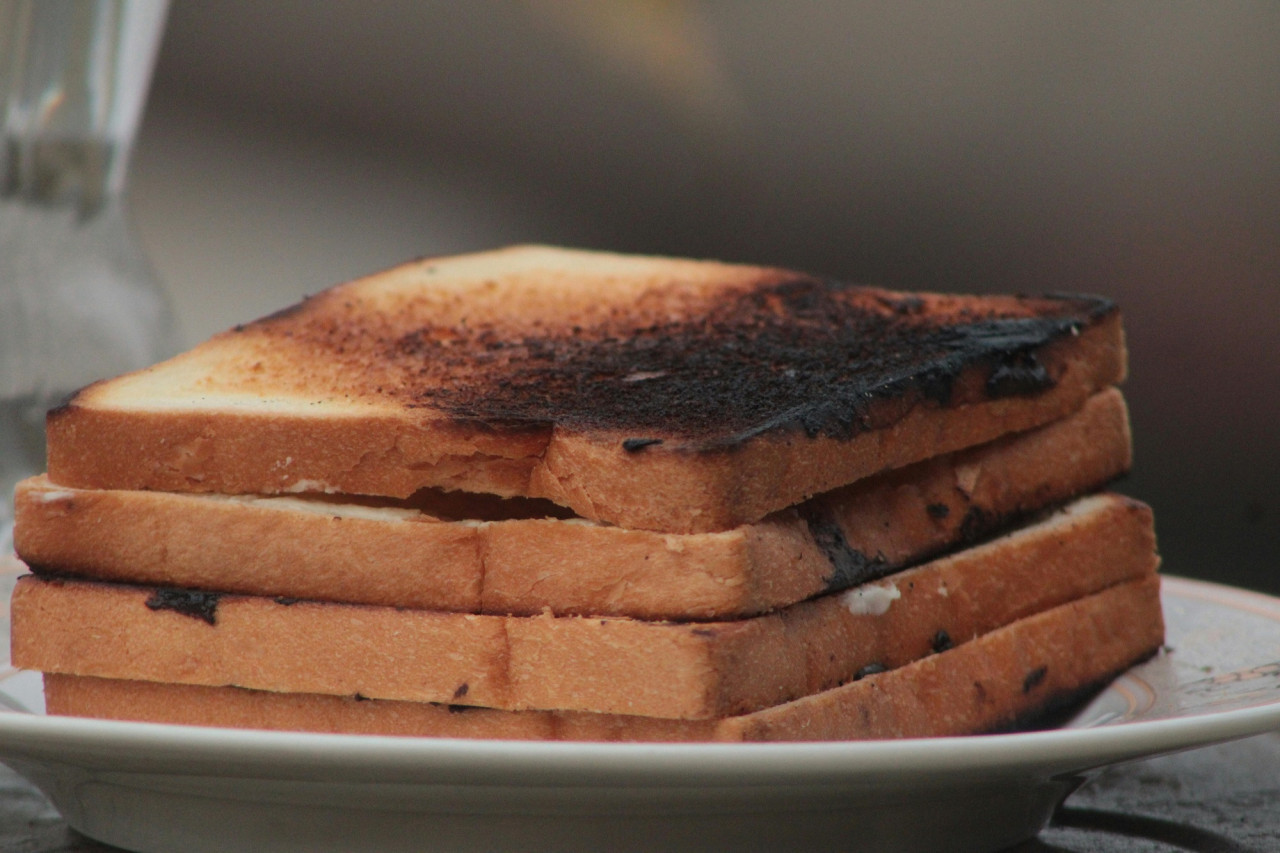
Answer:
x=871 y=599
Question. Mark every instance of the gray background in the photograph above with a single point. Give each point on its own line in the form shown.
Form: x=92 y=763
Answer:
x=1131 y=149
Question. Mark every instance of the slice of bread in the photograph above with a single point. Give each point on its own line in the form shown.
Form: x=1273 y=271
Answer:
x=695 y=670
x=1000 y=680
x=653 y=393
x=403 y=556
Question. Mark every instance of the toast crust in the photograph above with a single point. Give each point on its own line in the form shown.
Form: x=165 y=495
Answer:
x=396 y=556
x=660 y=669
x=652 y=393
x=996 y=681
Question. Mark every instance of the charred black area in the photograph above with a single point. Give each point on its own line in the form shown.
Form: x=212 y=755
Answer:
x=631 y=445
x=849 y=566
x=1034 y=679
x=1058 y=707
x=1054 y=711
x=800 y=353
x=870 y=669
x=1017 y=373
x=189 y=602
x=941 y=641
x=977 y=522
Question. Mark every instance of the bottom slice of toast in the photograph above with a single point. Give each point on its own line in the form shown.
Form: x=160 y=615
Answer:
x=1000 y=680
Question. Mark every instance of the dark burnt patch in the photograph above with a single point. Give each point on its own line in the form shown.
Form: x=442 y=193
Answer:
x=789 y=353
x=66 y=404
x=631 y=445
x=849 y=566
x=1057 y=707
x=1017 y=373
x=189 y=602
x=870 y=669
x=977 y=521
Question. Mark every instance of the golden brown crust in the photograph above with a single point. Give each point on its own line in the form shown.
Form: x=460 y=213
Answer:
x=679 y=670
x=987 y=684
x=527 y=372
x=398 y=557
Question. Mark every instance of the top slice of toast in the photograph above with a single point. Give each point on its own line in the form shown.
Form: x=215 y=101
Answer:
x=653 y=393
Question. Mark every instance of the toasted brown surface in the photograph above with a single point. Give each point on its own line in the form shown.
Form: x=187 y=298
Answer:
x=990 y=683
x=653 y=393
x=401 y=556
x=608 y=665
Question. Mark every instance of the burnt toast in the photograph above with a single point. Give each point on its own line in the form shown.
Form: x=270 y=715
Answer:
x=680 y=670
x=515 y=556
x=652 y=393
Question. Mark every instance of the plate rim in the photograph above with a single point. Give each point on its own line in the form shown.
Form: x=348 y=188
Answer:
x=143 y=747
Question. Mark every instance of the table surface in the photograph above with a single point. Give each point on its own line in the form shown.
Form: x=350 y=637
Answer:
x=1219 y=799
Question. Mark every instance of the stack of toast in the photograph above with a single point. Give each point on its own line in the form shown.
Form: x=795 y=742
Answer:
x=553 y=494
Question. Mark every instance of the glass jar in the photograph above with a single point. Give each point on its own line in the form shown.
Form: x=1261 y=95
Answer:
x=78 y=298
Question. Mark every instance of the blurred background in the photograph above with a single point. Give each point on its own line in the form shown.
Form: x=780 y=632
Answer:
x=1130 y=149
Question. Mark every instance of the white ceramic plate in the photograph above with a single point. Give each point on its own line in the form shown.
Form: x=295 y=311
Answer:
x=153 y=788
